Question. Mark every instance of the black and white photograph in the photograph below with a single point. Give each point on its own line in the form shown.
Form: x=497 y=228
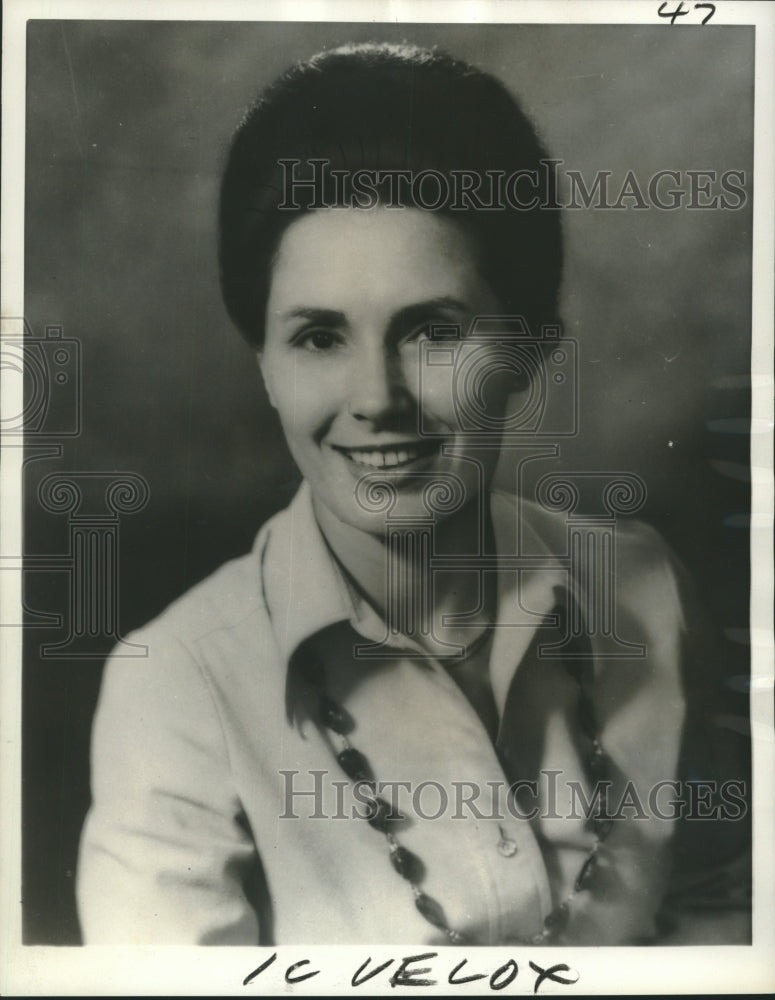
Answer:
x=387 y=498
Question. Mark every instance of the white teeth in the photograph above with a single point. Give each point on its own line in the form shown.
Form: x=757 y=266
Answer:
x=382 y=459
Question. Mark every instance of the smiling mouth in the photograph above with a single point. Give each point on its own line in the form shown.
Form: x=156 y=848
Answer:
x=390 y=456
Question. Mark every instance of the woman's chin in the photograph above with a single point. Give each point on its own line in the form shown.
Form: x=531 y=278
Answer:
x=380 y=502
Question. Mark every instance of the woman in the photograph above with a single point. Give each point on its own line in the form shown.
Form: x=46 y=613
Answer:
x=395 y=720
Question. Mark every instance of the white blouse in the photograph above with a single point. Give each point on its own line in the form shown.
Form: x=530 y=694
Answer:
x=220 y=814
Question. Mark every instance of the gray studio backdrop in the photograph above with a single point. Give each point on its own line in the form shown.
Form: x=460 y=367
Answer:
x=127 y=125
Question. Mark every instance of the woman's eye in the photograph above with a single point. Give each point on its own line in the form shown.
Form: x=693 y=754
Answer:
x=316 y=340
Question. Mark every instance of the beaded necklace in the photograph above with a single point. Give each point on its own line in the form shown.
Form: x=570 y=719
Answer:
x=381 y=817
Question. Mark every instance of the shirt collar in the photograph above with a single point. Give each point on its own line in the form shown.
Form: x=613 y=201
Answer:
x=307 y=592
x=304 y=588
x=525 y=597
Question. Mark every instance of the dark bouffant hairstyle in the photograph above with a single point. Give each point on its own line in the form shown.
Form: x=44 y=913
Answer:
x=381 y=107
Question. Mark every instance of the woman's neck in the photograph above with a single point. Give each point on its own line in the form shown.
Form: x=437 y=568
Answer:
x=453 y=592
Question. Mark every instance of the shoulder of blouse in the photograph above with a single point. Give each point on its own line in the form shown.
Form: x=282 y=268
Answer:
x=640 y=549
x=223 y=600
x=163 y=675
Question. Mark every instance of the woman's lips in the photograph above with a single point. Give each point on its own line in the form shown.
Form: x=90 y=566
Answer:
x=389 y=456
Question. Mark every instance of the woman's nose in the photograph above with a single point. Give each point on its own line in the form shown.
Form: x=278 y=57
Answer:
x=378 y=388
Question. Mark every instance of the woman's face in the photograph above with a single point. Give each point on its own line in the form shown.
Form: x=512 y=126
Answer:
x=353 y=296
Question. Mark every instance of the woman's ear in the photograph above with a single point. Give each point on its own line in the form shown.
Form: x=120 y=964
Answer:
x=267 y=386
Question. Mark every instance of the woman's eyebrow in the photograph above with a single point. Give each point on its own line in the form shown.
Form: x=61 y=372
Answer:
x=407 y=314
x=419 y=311
x=328 y=317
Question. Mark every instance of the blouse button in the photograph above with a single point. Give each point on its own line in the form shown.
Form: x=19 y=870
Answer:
x=507 y=848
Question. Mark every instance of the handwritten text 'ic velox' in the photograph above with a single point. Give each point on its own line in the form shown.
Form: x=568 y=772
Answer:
x=416 y=970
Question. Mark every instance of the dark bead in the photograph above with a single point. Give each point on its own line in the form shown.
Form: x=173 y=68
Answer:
x=407 y=865
x=557 y=919
x=586 y=875
x=431 y=910
x=602 y=828
x=355 y=765
x=381 y=815
x=587 y=716
x=334 y=716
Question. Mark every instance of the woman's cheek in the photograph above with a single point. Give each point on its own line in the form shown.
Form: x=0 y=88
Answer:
x=459 y=384
x=304 y=392
x=436 y=397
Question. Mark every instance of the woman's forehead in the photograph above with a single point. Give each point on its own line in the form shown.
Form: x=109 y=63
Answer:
x=348 y=254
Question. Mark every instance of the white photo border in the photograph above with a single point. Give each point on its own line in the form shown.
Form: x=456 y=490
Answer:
x=41 y=970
